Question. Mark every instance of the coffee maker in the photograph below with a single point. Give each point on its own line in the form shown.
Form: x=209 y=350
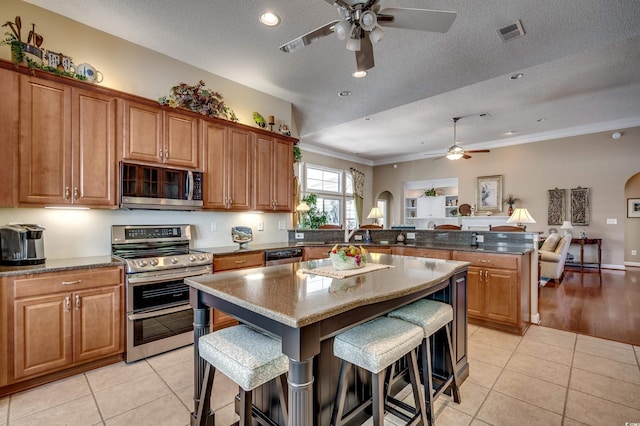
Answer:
x=21 y=244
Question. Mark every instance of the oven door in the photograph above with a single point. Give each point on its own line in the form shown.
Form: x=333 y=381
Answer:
x=159 y=317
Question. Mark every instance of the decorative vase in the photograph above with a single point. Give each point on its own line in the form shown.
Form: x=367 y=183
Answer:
x=510 y=210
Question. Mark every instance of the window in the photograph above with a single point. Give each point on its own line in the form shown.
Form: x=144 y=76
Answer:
x=334 y=189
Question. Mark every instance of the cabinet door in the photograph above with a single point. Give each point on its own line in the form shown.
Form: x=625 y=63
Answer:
x=215 y=165
x=381 y=250
x=94 y=149
x=263 y=173
x=180 y=140
x=429 y=253
x=143 y=133
x=282 y=177
x=312 y=253
x=9 y=123
x=475 y=291
x=430 y=207
x=240 y=168
x=238 y=261
x=42 y=334
x=97 y=323
x=45 y=142
x=501 y=295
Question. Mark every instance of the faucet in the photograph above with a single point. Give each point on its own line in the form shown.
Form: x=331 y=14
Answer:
x=348 y=235
x=474 y=239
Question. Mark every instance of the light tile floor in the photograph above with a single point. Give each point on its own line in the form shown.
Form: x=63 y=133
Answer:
x=547 y=377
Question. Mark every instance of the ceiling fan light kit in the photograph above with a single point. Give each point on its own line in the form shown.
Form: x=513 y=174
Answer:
x=361 y=20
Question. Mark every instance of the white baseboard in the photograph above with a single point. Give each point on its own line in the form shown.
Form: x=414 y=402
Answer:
x=609 y=266
x=631 y=264
x=535 y=319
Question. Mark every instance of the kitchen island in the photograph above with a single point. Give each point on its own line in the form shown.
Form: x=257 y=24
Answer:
x=307 y=310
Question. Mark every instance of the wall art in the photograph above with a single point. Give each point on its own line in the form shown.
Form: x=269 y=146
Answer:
x=580 y=206
x=557 y=206
x=633 y=207
x=489 y=194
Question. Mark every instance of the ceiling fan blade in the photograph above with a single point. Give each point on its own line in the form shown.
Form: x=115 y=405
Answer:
x=465 y=156
x=307 y=39
x=438 y=21
x=476 y=150
x=364 y=57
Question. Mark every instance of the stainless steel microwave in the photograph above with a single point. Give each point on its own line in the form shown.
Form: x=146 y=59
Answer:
x=156 y=187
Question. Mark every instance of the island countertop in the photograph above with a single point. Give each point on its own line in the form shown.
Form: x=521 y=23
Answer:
x=290 y=296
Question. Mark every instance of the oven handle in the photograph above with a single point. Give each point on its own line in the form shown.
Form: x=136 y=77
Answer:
x=167 y=311
x=164 y=276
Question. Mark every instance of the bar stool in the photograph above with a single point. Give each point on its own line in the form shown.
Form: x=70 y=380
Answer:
x=433 y=317
x=374 y=346
x=249 y=358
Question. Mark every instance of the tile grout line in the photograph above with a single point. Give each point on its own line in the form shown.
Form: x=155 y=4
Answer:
x=93 y=396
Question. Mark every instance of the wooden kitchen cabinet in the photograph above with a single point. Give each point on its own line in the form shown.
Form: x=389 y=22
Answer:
x=157 y=136
x=62 y=320
x=9 y=123
x=273 y=181
x=220 y=319
x=314 y=253
x=431 y=207
x=228 y=159
x=67 y=145
x=498 y=290
x=381 y=250
x=422 y=252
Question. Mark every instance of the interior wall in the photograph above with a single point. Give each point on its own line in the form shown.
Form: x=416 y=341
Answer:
x=134 y=69
x=593 y=161
x=632 y=225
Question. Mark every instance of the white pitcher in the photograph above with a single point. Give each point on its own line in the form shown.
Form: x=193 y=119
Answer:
x=90 y=73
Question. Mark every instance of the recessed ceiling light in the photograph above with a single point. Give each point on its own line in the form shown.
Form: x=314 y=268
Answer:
x=510 y=132
x=344 y=94
x=269 y=19
x=359 y=74
x=540 y=120
x=368 y=119
x=516 y=76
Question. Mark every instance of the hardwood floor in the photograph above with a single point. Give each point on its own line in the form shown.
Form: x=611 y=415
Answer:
x=605 y=304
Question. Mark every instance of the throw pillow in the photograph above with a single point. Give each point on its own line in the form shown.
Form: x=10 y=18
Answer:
x=550 y=242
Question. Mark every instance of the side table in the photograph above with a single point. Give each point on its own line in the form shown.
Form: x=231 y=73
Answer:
x=583 y=242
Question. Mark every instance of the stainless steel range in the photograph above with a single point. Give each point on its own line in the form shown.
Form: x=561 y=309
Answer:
x=158 y=258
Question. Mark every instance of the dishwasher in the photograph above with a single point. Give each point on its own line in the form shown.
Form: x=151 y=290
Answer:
x=280 y=256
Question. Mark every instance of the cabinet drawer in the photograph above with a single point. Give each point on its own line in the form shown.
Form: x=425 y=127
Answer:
x=418 y=252
x=502 y=261
x=313 y=253
x=56 y=282
x=239 y=261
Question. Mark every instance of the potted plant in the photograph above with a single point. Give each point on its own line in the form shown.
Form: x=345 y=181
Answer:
x=510 y=200
x=314 y=217
x=432 y=192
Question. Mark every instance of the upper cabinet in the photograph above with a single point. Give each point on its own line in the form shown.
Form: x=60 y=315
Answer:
x=67 y=145
x=431 y=207
x=227 y=160
x=273 y=183
x=9 y=115
x=154 y=135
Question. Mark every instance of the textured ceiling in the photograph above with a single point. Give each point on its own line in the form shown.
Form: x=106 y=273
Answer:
x=580 y=60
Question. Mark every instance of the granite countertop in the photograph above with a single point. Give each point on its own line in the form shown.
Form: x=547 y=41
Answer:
x=56 y=265
x=286 y=294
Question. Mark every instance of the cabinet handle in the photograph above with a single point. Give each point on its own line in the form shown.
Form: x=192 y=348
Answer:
x=160 y=155
x=240 y=261
x=67 y=192
x=71 y=282
x=76 y=193
x=486 y=277
x=484 y=261
x=77 y=302
x=230 y=203
x=67 y=304
x=166 y=154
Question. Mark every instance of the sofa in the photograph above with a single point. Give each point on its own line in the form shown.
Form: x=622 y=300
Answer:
x=552 y=255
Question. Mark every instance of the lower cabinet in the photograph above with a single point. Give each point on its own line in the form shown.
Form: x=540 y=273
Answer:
x=421 y=252
x=498 y=290
x=219 y=319
x=314 y=253
x=61 y=320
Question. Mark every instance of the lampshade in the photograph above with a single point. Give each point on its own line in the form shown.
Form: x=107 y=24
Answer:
x=342 y=29
x=520 y=216
x=455 y=153
x=375 y=35
x=303 y=207
x=375 y=213
x=353 y=44
x=368 y=20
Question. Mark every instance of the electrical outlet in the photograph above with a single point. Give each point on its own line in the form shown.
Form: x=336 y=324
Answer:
x=411 y=235
x=634 y=253
x=260 y=226
x=612 y=221
x=299 y=235
x=281 y=225
x=480 y=238
x=214 y=227
x=357 y=237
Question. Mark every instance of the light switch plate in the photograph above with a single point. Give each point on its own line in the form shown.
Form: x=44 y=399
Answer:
x=411 y=235
x=612 y=221
x=357 y=237
x=299 y=235
x=281 y=225
x=214 y=227
x=260 y=226
x=480 y=238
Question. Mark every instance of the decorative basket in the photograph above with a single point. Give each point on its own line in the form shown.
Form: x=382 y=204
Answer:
x=348 y=258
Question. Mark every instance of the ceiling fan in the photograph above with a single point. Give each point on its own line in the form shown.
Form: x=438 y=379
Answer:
x=455 y=151
x=360 y=24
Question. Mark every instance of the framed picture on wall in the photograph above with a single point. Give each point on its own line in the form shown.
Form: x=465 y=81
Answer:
x=557 y=206
x=633 y=207
x=489 y=194
x=580 y=206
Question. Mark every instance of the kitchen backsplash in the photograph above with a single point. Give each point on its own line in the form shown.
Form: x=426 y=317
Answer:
x=80 y=233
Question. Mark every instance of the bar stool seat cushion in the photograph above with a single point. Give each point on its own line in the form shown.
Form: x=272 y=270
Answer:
x=428 y=314
x=377 y=344
x=233 y=351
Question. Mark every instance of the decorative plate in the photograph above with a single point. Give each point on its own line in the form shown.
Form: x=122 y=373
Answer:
x=464 y=209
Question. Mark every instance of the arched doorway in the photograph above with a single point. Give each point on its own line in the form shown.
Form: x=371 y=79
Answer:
x=384 y=202
x=632 y=224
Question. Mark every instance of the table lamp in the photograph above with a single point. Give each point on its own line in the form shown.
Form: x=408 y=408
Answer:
x=302 y=209
x=520 y=216
x=375 y=214
x=566 y=225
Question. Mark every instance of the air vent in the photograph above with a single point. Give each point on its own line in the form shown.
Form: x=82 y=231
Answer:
x=512 y=31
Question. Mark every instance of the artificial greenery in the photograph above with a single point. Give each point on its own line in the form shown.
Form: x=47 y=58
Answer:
x=314 y=217
x=198 y=99
x=18 y=57
x=510 y=200
x=431 y=192
x=297 y=154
